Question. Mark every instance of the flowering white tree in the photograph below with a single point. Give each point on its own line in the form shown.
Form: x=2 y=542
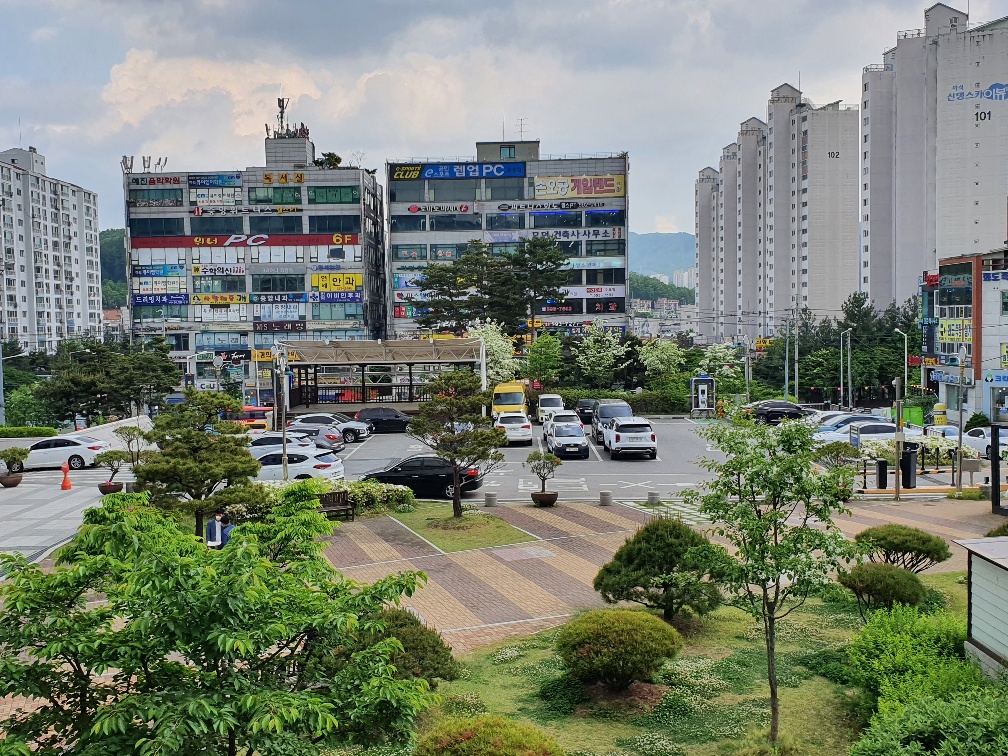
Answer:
x=720 y=361
x=661 y=358
x=500 y=359
x=599 y=355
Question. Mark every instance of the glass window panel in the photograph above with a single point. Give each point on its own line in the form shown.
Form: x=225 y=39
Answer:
x=605 y=218
x=402 y=223
x=406 y=191
x=557 y=219
x=452 y=190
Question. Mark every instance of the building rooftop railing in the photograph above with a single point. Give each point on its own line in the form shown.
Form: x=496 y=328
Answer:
x=909 y=33
x=878 y=67
x=471 y=159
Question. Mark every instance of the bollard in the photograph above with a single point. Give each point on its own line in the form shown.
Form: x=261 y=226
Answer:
x=605 y=498
x=489 y=499
x=65 y=485
x=653 y=498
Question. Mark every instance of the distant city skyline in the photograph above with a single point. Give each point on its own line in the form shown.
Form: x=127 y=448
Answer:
x=89 y=81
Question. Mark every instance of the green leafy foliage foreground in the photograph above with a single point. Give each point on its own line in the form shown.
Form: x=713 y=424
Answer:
x=142 y=641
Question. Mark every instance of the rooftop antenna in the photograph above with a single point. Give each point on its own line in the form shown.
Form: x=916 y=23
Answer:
x=520 y=124
x=146 y=163
x=282 y=103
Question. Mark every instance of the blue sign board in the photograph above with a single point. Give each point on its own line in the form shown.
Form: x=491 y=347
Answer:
x=214 y=179
x=269 y=298
x=472 y=170
x=160 y=299
x=159 y=270
x=336 y=296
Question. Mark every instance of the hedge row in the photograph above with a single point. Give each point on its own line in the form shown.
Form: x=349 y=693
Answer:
x=28 y=431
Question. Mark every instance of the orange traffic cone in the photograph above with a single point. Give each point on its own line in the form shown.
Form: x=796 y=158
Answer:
x=66 y=477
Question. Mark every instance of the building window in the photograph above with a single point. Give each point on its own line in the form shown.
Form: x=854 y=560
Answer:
x=338 y=311
x=334 y=224
x=140 y=227
x=409 y=251
x=405 y=191
x=610 y=276
x=403 y=223
x=218 y=284
x=275 y=195
x=157 y=312
x=216 y=225
x=507 y=151
x=278 y=284
x=333 y=195
x=456 y=222
x=505 y=220
x=570 y=248
x=452 y=190
x=556 y=220
x=606 y=248
x=505 y=188
x=275 y=224
x=444 y=252
x=1004 y=302
x=605 y=218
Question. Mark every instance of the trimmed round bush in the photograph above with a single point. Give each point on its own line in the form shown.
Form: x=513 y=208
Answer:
x=425 y=654
x=616 y=647
x=880 y=586
x=999 y=532
x=486 y=736
x=910 y=548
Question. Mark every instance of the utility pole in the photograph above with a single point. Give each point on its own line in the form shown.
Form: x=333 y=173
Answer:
x=787 y=357
x=850 y=390
x=3 y=402
x=899 y=436
x=796 y=355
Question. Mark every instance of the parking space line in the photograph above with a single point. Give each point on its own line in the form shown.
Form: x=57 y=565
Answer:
x=594 y=448
x=357 y=448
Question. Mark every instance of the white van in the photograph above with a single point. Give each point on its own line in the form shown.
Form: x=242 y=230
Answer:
x=548 y=404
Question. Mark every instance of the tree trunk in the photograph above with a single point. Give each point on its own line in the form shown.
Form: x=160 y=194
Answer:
x=457 y=495
x=770 y=626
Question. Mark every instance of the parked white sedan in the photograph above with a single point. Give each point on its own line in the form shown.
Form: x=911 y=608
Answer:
x=516 y=426
x=76 y=451
x=980 y=439
x=301 y=465
x=562 y=417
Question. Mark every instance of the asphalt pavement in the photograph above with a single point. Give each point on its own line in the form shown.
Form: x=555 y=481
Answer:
x=677 y=468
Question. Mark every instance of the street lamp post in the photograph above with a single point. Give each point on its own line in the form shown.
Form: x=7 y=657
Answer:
x=962 y=368
x=280 y=376
x=906 y=361
x=850 y=388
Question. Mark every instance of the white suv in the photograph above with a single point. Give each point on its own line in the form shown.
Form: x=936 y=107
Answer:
x=629 y=435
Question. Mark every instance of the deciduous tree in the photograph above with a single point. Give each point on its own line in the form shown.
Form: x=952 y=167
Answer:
x=545 y=358
x=499 y=348
x=599 y=355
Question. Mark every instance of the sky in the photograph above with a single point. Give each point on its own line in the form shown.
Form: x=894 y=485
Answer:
x=668 y=81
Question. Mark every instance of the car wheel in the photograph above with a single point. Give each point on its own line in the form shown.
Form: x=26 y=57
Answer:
x=449 y=491
x=988 y=451
x=613 y=454
x=76 y=462
x=762 y=420
x=653 y=455
x=15 y=467
x=350 y=436
x=303 y=477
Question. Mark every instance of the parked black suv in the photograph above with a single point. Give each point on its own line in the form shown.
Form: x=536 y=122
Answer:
x=384 y=419
x=603 y=411
x=772 y=411
x=584 y=410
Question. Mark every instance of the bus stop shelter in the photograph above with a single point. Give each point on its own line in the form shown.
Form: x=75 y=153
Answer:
x=378 y=372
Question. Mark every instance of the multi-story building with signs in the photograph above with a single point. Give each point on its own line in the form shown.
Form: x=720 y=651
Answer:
x=228 y=262
x=508 y=193
x=51 y=271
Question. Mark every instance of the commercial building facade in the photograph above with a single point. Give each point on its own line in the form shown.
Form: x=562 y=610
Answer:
x=506 y=194
x=934 y=146
x=226 y=263
x=785 y=221
x=51 y=264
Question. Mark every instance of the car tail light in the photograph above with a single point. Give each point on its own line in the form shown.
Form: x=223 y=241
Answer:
x=527 y=427
x=321 y=467
x=472 y=471
x=331 y=437
x=652 y=436
x=617 y=436
x=96 y=448
x=356 y=416
x=500 y=427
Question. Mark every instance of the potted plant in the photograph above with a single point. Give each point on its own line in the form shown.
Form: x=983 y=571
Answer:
x=114 y=461
x=543 y=464
x=14 y=459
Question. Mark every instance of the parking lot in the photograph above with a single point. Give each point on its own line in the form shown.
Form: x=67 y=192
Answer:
x=629 y=477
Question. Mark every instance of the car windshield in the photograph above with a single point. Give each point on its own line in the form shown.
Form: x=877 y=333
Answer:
x=509 y=397
x=551 y=402
x=327 y=457
x=569 y=431
x=635 y=429
x=511 y=420
x=565 y=417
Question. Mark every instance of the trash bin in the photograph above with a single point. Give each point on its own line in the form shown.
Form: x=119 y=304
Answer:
x=881 y=473
x=908 y=465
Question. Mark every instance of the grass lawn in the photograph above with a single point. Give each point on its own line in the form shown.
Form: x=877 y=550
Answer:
x=475 y=530
x=716 y=693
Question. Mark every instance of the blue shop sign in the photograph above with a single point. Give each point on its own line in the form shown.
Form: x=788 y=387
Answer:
x=472 y=170
x=336 y=296
x=159 y=270
x=943 y=377
x=160 y=299
x=269 y=298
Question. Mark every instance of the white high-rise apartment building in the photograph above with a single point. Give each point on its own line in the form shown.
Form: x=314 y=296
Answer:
x=708 y=231
x=51 y=265
x=934 y=146
x=786 y=218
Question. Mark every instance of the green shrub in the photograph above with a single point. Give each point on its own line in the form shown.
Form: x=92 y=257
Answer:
x=910 y=548
x=27 y=431
x=561 y=695
x=424 y=654
x=977 y=420
x=901 y=642
x=372 y=496
x=967 y=494
x=879 y=586
x=13 y=456
x=464 y=705
x=616 y=647
x=486 y=736
x=999 y=532
x=831 y=663
x=666 y=565
x=942 y=680
x=974 y=723
x=836 y=454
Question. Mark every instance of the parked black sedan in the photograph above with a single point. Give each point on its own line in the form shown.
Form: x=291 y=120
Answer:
x=384 y=419
x=584 y=410
x=426 y=475
x=772 y=411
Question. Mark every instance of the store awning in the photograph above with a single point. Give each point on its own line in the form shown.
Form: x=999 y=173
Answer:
x=418 y=351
